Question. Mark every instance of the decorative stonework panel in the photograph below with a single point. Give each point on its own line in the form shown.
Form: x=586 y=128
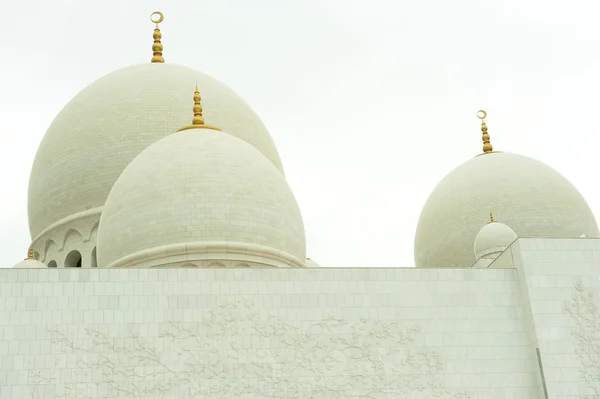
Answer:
x=263 y=333
x=583 y=310
x=238 y=350
x=560 y=280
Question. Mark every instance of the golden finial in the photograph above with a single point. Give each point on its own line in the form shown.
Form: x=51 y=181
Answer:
x=491 y=218
x=157 y=47
x=30 y=254
x=487 y=146
x=198 y=120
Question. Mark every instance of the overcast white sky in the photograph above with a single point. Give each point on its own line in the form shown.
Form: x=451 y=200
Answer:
x=370 y=103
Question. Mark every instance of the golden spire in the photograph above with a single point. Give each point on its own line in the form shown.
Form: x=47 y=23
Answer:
x=157 y=47
x=487 y=146
x=198 y=120
x=30 y=254
x=491 y=218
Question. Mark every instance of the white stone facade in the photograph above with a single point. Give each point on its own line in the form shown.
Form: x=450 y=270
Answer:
x=173 y=265
x=308 y=333
x=560 y=280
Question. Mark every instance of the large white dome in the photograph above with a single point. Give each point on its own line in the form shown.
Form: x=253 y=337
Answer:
x=200 y=196
x=529 y=196
x=107 y=124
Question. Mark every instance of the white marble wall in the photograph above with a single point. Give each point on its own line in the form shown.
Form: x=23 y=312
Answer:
x=264 y=333
x=560 y=278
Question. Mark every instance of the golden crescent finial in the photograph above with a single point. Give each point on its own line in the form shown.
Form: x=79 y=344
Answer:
x=159 y=19
x=30 y=254
x=198 y=119
x=157 y=47
x=485 y=137
x=491 y=218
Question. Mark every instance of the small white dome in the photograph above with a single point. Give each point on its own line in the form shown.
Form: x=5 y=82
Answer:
x=534 y=199
x=111 y=121
x=30 y=264
x=201 y=196
x=493 y=237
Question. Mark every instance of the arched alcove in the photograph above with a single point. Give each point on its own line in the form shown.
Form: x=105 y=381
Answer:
x=52 y=263
x=73 y=259
x=72 y=238
x=94 y=260
x=50 y=250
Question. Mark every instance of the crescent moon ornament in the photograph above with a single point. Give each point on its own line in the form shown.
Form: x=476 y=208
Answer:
x=485 y=137
x=157 y=47
x=157 y=20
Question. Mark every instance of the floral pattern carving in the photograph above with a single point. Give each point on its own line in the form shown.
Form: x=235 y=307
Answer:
x=239 y=350
x=583 y=310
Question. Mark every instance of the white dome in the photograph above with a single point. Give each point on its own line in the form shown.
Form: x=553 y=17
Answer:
x=531 y=197
x=110 y=122
x=493 y=237
x=30 y=264
x=201 y=195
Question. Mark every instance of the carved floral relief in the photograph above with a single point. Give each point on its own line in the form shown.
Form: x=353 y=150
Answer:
x=240 y=351
x=583 y=309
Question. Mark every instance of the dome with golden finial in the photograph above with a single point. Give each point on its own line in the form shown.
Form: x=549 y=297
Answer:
x=201 y=197
x=106 y=125
x=534 y=199
x=30 y=262
x=492 y=239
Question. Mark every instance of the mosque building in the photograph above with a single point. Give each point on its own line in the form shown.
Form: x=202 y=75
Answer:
x=168 y=260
